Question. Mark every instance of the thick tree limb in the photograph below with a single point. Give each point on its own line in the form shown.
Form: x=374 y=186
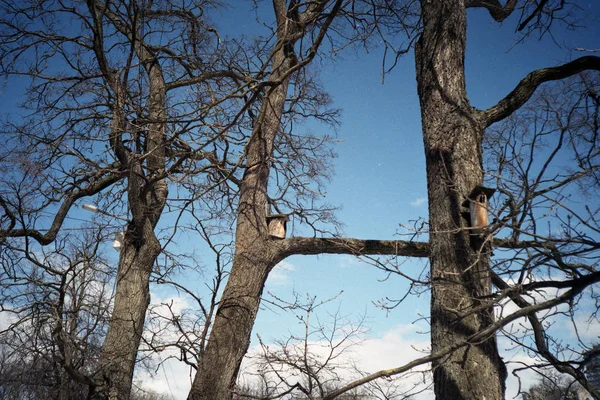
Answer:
x=357 y=247
x=543 y=244
x=522 y=244
x=50 y=235
x=525 y=89
x=496 y=10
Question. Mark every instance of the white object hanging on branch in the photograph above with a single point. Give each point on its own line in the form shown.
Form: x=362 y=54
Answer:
x=119 y=240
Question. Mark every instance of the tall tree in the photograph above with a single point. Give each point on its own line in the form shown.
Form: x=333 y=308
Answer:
x=101 y=72
x=55 y=307
x=466 y=361
x=452 y=133
x=256 y=250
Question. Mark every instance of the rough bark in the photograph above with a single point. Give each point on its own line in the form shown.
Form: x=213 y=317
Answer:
x=147 y=194
x=132 y=297
x=528 y=85
x=498 y=11
x=255 y=253
x=459 y=268
x=254 y=256
x=357 y=247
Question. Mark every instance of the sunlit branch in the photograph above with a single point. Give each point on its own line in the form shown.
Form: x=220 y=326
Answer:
x=477 y=337
x=525 y=89
x=540 y=333
x=402 y=248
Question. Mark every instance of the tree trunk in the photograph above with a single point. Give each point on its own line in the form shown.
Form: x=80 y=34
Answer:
x=232 y=328
x=459 y=270
x=147 y=193
x=132 y=298
x=132 y=293
x=255 y=254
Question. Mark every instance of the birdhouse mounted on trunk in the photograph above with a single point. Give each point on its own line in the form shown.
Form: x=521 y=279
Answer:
x=277 y=225
x=119 y=241
x=478 y=204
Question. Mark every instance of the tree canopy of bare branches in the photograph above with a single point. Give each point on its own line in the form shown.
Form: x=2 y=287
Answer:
x=145 y=109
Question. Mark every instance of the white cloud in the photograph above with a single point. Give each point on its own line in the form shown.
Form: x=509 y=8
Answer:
x=172 y=377
x=516 y=360
x=418 y=201
x=280 y=275
x=176 y=304
x=7 y=318
x=394 y=348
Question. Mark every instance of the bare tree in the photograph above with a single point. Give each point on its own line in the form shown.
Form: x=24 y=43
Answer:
x=315 y=359
x=257 y=251
x=118 y=81
x=309 y=363
x=55 y=311
x=466 y=363
x=100 y=126
x=242 y=161
x=465 y=358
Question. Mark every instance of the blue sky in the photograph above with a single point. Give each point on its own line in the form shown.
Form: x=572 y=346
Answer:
x=380 y=171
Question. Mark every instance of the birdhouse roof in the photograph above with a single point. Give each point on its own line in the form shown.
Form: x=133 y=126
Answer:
x=477 y=190
x=278 y=216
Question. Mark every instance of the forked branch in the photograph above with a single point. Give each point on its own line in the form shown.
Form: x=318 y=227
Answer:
x=526 y=310
x=91 y=189
x=525 y=89
x=498 y=11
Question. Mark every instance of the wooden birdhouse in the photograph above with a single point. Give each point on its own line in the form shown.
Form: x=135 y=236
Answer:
x=478 y=204
x=277 y=224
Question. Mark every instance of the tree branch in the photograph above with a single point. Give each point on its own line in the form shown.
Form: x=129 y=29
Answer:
x=522 y=244
x=512 y=292
x=540 y=335
x=496 y=10
x=525 y=89
x=535 y=12
x=205 y=77
x=357 y=247
x=50 y=235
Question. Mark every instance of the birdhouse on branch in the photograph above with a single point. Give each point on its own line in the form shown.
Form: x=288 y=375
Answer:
x=277 y=225
x=478 y=204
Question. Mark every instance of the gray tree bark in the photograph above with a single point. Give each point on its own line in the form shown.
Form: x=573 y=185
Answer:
x=452 y=135
x=254 y=254
x=147 y=194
